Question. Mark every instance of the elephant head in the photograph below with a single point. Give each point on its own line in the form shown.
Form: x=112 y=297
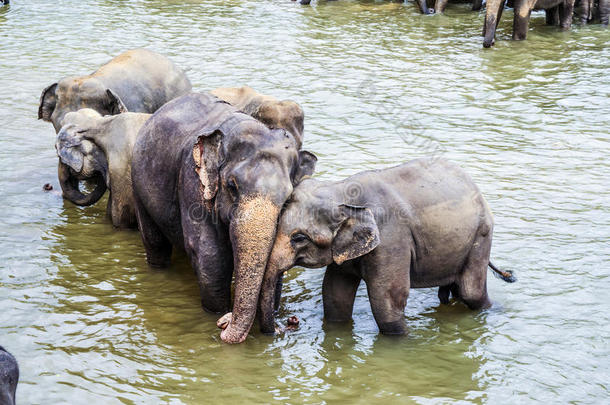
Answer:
x=80 y=158
x=9 y=376
x=247 y=171
x=72 y=94
x=316 y=229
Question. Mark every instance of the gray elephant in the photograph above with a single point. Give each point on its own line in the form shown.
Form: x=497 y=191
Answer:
x=9 y=377
x=421 y=224
x=98 y=148
x=270 y=111
x=212 y=180
x=138 y=80
x=558 y=12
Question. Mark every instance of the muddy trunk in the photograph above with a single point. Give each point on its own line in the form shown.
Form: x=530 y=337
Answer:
x=252 y=234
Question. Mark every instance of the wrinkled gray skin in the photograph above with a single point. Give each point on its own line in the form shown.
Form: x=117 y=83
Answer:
x=211 y=179
x=591 y=10
x=270 y=111
x=420 y=224
x=9 y=376
x=94 y=146
x=558 y=12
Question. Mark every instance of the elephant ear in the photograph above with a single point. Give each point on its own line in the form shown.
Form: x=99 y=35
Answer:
x=48 y=100
x=206 y=153
x=305 y=167
x=356 y=235
x=115 y=105
x=68 y=149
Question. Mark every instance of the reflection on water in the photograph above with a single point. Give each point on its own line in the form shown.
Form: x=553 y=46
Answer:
x=380 y=84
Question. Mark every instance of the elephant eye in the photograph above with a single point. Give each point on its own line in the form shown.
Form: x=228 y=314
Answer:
x=298 y=238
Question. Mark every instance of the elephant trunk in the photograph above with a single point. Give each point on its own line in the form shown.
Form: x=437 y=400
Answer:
x=423 y=7
x=69 y=186
x=252 y=233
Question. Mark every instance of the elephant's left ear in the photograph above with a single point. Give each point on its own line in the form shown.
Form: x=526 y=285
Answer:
x=206 y=153
x=305 y=167
x=357 y=234
x=48 y=100
x=115 y=104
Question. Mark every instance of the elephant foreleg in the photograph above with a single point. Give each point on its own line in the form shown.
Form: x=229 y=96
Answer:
x=388 y=281
x=476 y=5
x=566 y=12
x=339 y=292
x=521 y=20
x=552 y=16
x=158 y=247
x=604 y=11
x=440 y=5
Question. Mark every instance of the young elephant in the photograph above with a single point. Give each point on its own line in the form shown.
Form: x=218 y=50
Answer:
x=420 y=224
x=137 y=80
x=9 y=376
x=97 y=148
x=270 y=111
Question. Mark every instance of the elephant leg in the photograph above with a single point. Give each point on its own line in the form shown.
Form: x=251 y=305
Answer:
x=212 y=260
x=278 y=292
x=339 y=292
x=552 y=16
x=158 y=247
x=604 y=11
x=440 y=5
x=387 y=281
x=521 y=20
x=476 y=5
x=566 y=12
x=472 y=282
x=443 y=294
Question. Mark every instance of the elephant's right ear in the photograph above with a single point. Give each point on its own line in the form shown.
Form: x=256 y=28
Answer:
x=357 y=234
x=48 y=99
x=68 y=150
x=206 y=153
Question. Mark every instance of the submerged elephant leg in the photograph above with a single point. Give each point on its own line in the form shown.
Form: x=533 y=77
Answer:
x=566 y=12
x=552 y=16
x=472 y=282
x=158 y=247
x=387 y=281
x=212 y=261
x=443 y=294
x=278 y=292
x=521 y=21
x=339 y=292
x=440 y=5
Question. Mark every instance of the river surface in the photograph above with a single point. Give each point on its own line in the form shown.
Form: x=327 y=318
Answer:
x=380 y=84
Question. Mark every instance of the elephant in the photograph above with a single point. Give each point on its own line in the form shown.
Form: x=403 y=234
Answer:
x=270 y=111
x=98 y=148
x=590 y=10
x=9 y=377
x=137 y=80
x=420 y=224
x=211 y=179
x=558 y=12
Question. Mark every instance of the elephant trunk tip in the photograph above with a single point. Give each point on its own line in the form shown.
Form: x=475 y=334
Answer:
x=504 y=275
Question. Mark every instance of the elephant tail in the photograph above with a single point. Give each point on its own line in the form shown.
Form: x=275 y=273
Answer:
x=507 y=276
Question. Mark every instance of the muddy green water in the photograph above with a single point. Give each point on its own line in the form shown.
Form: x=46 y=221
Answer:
x=380 y=84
